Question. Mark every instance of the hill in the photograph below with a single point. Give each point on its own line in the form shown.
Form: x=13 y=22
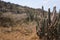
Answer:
x=18 y=22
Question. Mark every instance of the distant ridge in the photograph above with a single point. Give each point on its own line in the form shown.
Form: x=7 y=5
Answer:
x=7 y=6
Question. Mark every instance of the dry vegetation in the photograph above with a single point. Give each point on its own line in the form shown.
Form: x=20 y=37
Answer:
x=20 y=32
x=17 y=22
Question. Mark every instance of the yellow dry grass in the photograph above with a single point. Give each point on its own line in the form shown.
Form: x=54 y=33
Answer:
x=21 y=32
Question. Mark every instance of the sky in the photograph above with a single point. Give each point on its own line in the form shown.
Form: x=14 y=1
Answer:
x=37 y=3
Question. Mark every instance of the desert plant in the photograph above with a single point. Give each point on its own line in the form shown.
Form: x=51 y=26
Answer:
x=58 y=28
x=49 y=19
x=30 y=15
x=42 y=10
x=43 y=26
x=47 y=28
x=59 y=14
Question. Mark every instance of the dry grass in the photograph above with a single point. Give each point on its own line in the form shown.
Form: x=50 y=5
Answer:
x=21 y=32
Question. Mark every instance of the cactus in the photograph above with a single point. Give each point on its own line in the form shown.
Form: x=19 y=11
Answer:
x=58 y=29
x=59 y=14
x=43 y=26
x=50 y=29
x=42 y=10
x=49 y=19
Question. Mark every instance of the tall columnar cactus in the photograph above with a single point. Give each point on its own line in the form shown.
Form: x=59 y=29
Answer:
x=43 y=26
x=59 y=23
x=47 y=30
x=59 y=14
x=54 y=14
x=49 y=19
x=54 y=10
x=42 y=11
x=59 y=20
x=43 y=22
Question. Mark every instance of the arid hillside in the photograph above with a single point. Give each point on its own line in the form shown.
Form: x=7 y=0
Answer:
x=18 y=22
x=24 y=23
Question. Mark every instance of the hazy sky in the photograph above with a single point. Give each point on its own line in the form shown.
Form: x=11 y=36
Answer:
x=37 y=3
